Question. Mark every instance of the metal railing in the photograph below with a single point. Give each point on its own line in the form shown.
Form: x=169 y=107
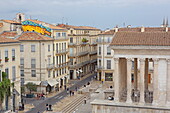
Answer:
x=61 y=51
x=61 y=38
x=82 y=53
x=93 y=52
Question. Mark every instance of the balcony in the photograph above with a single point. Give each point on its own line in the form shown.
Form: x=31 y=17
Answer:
x=93 y=61
x=72 y=55
x=94 y=44
x=61 y=38
x=72 y=44
x=83 y=43
x=93 y=52
x=99 y=67
x=62 y=65
x=82 y=53
x=50 y=66
x=61 y=51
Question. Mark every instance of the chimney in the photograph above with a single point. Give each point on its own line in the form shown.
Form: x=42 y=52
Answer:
x=166 y=29
x=142 y=29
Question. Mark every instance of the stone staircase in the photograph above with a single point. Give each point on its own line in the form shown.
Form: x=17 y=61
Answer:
x=72 y=106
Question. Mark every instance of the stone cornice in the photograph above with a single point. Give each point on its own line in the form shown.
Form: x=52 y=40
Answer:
x=140 y=47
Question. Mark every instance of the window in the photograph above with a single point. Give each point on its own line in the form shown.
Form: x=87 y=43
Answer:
x=33 y=63
x=64 y=46
x=64 y=34
x=108 y=39
x=49 y=74
x=13 y=54
x=58 y=34
x=7 y=72
x=22 y=67
x=6 y=56
x=100 y=62
x=22 y=81
x=53 y=74
x=71 y=61
x=32 y=48
x=108 y=51
x=48 y=47
x=71 y=39
x=13 y=73
x=108 y=77
x=33 y=73
x=99 y=50
x=108 y=64
x=21 y=48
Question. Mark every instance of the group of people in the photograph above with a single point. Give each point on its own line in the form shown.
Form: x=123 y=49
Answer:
x=41 y=96
x=48 y=107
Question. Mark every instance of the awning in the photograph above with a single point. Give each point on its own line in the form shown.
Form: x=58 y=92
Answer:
x=52 y=82
x=34 y=82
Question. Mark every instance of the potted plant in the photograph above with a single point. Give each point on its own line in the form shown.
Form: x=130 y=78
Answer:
x=13 y=58
x=84 y=40
x=6 y=59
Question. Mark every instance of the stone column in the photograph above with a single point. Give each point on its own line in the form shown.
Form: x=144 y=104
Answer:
x=135 y=72
x=142 y=85
x=146 y=73
x=116 y=80
x=129 y=80
x=168 y=83
x=155 y=82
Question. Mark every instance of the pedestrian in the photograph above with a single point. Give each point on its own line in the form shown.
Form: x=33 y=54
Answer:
x=46 y=107
x=50 y=107
x=70 y=92
x=67 y=90
x=84 y=100
x=102 y=81
x=73 y=93
x=38 y=112
x=76 y=88
x=65 y=87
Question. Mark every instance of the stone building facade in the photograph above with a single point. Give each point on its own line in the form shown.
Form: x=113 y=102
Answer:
x=147 y=88
x=82 y=50
x=9 y=63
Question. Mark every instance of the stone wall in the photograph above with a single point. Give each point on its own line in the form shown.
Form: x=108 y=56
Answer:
x=126 y=109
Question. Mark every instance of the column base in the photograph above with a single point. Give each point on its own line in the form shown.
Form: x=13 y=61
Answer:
x=141 y=103
x=129 y=101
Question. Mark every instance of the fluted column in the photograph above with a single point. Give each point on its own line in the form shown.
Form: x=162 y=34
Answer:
x=168 y=83
x=116 y=80
x=129 y=79
x=142 y=84
x=135 y=73
x=155 y=82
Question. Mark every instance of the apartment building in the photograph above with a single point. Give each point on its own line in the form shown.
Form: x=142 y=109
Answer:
x=36 y=57
x=59 y=49
x=9 y=63
x=82 y=50
x=105 y=66
x=12 y=25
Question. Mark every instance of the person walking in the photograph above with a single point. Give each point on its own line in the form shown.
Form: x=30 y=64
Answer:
x=46 y=107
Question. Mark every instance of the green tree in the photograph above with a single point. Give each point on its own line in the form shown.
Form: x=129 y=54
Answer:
x=5 y=85
x=31 y=86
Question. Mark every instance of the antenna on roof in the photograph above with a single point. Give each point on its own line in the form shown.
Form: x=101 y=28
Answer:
x=124 y=25
x=167 y=22
x=30 y=17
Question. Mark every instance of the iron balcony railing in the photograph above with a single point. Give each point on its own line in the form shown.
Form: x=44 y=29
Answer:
x=82 y=53
x=93 y=52
x=61 y=51
x=61 y=38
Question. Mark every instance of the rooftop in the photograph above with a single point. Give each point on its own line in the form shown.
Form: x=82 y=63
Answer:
x=8 y=34
x=11 y=21
x=7 y=40
x=33 y=36
x=141 y=38
x=78 y=27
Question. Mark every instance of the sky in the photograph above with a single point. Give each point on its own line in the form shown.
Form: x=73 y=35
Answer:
x=102 y=14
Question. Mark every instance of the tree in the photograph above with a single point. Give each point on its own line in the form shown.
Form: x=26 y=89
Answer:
x=5 y=85
x=31 y=86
